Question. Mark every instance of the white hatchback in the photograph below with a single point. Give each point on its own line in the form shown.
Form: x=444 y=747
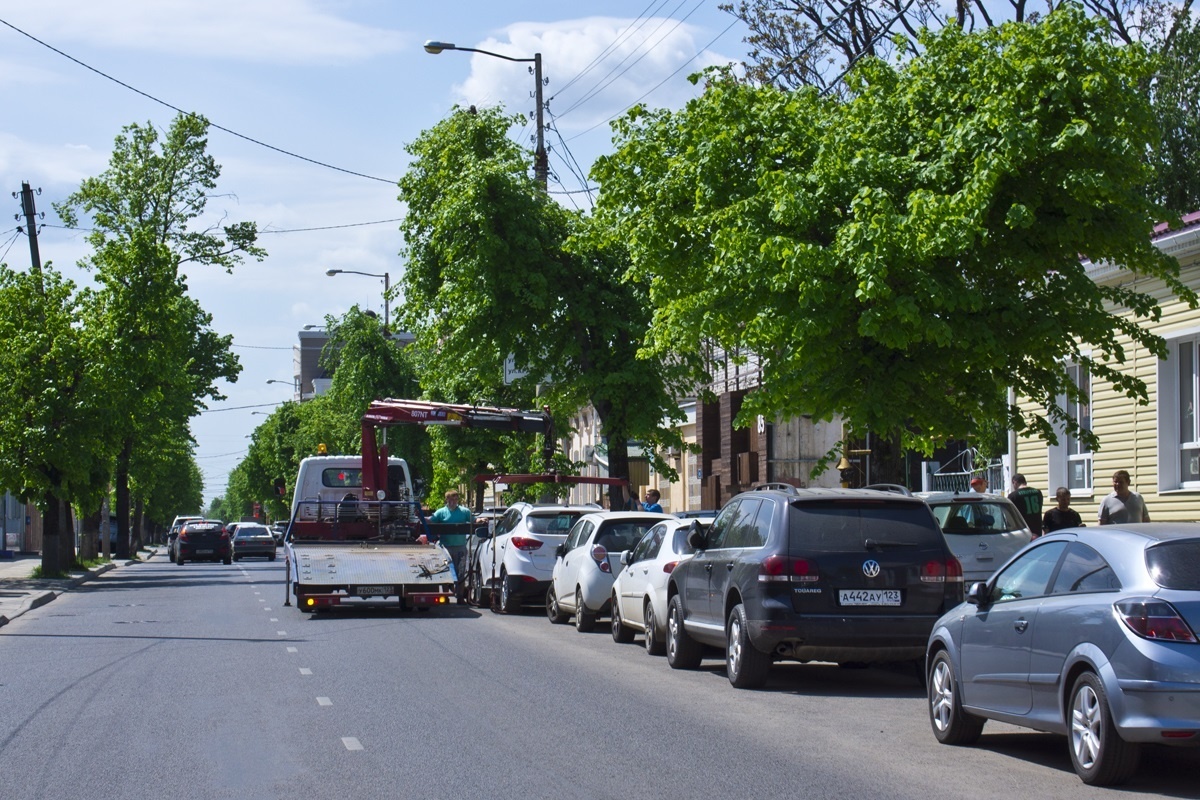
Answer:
x=639 y=593
x=983 y=530
x=587 y=561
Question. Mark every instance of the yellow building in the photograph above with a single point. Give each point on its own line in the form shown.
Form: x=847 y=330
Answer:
x=1157 y=443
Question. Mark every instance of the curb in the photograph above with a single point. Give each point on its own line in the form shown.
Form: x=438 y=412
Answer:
x=41 y=598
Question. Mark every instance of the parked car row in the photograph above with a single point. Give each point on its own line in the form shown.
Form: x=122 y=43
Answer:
x=1086 y=632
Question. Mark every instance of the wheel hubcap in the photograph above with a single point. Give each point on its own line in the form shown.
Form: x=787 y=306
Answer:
x=941 y=696
x=1086 y=724
x=735 y=645
x=672 y=633
x=649 y=617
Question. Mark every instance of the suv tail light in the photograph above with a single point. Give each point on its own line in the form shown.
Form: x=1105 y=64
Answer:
x=947 y=570
x=600 y=556
x=1152 y=618
x=526 y=544
x=788 y=570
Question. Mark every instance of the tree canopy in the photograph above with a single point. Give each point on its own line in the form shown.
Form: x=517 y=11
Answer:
x=901 y=256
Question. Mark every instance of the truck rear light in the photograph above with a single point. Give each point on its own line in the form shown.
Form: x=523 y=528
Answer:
x=946 y=570
x=526 y=544
x=600 y=556
x=777 y=568
x=1156 y=619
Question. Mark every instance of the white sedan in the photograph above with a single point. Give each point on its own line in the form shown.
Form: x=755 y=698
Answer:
x=639 y=594
x=586 y=562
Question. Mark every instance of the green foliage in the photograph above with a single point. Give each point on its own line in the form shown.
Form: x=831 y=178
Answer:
x=1176 y=98
x=495 y=268
x=900 y=257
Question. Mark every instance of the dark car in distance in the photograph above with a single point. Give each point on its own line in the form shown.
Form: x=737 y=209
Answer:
x=850 y=576
x=203 y=540
x=253 y=539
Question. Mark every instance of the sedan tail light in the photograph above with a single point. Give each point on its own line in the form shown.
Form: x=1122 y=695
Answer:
x=794 y=570
x=182 y=536
x=526 y=544
x=947 y=570
x=670 y=566
x=1152 y=618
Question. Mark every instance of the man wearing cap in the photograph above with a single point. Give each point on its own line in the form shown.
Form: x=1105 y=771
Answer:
x=979 y=485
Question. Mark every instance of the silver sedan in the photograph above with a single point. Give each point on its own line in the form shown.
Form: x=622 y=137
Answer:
x=1087 y=632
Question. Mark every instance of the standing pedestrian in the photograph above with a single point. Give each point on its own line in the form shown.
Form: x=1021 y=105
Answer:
x=1062 y=515
x=979 y=485
x=651 y=504
x=1122 y=506
x=455 y=543
x=1028 y=501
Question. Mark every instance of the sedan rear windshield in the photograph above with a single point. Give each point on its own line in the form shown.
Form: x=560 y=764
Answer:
x=837 y=526
x=1175 y=565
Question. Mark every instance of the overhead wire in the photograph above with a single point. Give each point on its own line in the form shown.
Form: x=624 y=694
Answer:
x=211 y=124
x=620 y=37
x=16 y=235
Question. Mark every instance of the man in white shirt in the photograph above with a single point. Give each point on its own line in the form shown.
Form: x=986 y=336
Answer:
x=1122 y=506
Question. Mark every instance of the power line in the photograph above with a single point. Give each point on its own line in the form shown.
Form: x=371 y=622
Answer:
x=334 y=227
x=238 y=408
x=621 y=36
x=257 y=347
x=191 y=114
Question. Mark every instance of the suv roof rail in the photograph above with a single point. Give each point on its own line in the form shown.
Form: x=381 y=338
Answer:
x=775 y=487
x=894 y=488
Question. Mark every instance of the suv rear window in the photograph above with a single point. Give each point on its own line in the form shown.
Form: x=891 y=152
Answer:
x=552 y=523
x=1175 y=565
x=841 y=525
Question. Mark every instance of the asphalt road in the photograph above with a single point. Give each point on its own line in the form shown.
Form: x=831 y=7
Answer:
x=159 y=681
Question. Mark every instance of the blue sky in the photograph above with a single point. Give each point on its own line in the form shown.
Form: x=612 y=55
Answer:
x=343 y=82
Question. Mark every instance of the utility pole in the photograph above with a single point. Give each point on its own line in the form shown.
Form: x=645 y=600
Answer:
x=31 y=218
x=541 y=166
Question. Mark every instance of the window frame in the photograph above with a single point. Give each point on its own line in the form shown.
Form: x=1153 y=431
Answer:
x=1171 y=442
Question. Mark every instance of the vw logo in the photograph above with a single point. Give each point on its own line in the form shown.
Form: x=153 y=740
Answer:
x=871 y=568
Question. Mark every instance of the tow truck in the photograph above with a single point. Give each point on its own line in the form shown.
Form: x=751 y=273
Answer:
x=368 y=546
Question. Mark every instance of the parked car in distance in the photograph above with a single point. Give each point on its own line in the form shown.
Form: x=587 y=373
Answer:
x=517 y=559
x=253 y=539
x=1088 y=632
x=203 y=540
x=278 y=530
x=708 y=514
x=639 y=593
x=983 y=530
x=841 y=575
x=587 y=562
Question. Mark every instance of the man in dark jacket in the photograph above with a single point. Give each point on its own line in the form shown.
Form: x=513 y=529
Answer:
x=1029 y=502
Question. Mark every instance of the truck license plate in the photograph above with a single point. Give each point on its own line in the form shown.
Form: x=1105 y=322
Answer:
x=869 y=597
x=374 y=591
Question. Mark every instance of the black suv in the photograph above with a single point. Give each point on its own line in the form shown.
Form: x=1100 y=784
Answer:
x=842 y=575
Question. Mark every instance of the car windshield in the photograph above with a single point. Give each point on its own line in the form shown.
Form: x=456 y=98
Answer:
x=977 y=518
x=840 y=525
x=552 y=523
x=1175 y=565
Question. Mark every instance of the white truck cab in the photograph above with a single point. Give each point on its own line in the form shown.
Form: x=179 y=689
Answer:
x=335 y=479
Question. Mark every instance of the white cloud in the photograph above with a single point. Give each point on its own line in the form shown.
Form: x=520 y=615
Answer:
x=270 y=31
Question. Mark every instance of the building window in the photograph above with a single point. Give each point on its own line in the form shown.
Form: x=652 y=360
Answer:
x=1178 y=394
x=1079 y=454
x=1188 y=438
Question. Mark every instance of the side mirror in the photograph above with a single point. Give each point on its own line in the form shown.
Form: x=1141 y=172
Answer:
x=977 y=594
x=695 y=536
x=626 y=557
x=560 y=551
x=482 y=534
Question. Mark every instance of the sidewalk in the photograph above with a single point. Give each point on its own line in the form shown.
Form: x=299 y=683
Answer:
x=19 y=592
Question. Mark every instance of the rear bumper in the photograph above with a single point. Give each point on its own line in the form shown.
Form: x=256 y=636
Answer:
x=841 y=638
x=256 y=550
x=193 y=553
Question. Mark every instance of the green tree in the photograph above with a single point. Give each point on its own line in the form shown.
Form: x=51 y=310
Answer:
x=900 y=257
x=147 y=221
x=497 y=269
x=1176 y=97
x=55 y=441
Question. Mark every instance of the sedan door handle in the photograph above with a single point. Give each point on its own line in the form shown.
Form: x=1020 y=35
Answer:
x=729 y=567
x=1021 y=624
x=708 y=567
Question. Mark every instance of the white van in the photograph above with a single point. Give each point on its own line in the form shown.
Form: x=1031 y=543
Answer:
x=330 y=480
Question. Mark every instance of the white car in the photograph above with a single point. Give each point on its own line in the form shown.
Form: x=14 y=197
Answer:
x=517 y=559
x=639 y=593
x=983 y=530
x=582 y=580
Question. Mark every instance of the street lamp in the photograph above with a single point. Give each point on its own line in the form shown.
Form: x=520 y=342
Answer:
x=540 y=167
x=386 y=286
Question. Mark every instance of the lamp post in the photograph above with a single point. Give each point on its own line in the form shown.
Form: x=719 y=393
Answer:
x=540 y=167
x=386 y=286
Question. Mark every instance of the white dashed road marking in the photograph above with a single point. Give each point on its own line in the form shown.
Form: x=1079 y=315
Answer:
x=282 y=633
x=274 y=619
x=293 y=650
x=324 y=701
x=305 y=671
x=351 y=743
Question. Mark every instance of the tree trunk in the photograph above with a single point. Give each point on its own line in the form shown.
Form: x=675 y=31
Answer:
x=122 y=477
x=89 y=536
x=66 y=551
x=139 y=510
x=51 y=510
